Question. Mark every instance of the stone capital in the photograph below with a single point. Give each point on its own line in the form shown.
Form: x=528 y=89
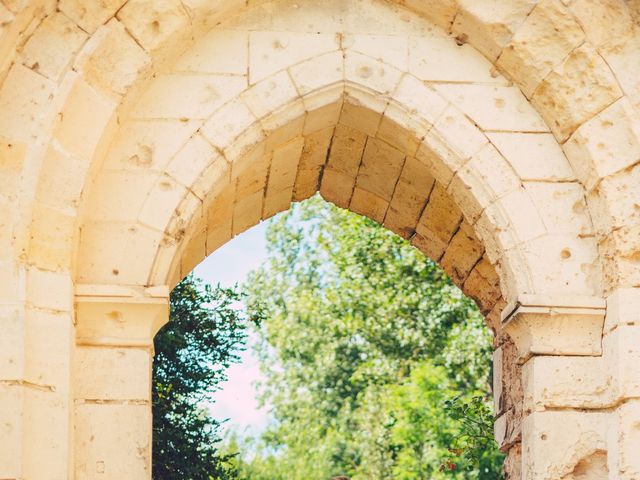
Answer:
x=547 y=325
x=120 y=316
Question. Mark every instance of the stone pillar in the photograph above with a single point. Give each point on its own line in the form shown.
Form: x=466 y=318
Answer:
x=36 y=346
x=112 y=379
x=561 y=426
x=621 y=365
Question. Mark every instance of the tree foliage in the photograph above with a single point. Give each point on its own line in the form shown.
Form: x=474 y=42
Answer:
x=192 y=352
x=368 y=349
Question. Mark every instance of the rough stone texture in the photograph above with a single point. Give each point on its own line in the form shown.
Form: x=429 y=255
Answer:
x=137 y=136
x=545 y=38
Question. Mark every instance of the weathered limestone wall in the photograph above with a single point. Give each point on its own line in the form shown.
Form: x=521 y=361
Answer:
x=136 y=137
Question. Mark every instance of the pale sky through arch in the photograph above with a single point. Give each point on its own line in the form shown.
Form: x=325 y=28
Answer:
x=228 y=265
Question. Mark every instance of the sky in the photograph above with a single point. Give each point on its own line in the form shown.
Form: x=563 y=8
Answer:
x=237 y=401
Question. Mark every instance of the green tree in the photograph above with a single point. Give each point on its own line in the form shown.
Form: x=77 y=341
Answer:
x=353 y=314
x=192 y=352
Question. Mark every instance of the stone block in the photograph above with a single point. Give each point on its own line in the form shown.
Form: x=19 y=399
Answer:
x=623 y=308
x=483 y=286
x=23 y=96
x=90 y=15
x=282 y=177
x=81 y=129
x=187 y=96
x=53 y=233
x=12 y=343
x=111 y=59
x=621 y=350
x=390 y=49
x=270 y=52
x=500 y=431
x=624 y=438
x=492 y=227
x=206 y=15
x=357 y=113
x=553 y=443
x=370 y=73
x=439 y=157
x=277 y=202
x=49 y=342
x=577 y=271
x=604 y=22
x=122 y=252
x=192 y=160
x=318 y=72
x=119 y=196
x=284 y=124
x=563 y=382
x=52 y=409
x=228 y=123
x=213 y=180
x=347 y=149
x=270 y=94
x=621 y=59
x=380 y=168
x=494 y=107
x=11 y=430
x=419 y=100
x=251 y=172
x=148 y=145
x=564 y=207
x=13 y=159
x=545 y=38
x=219 y=219
x=437 y=65
x=49 y=290
x=312 y=159
x=485 y=178
x=337 y=187
x=605 y=144
x=52 y=47
x=161 y=202
x=329 y=95
x=539 y=327
x=219 y=234
x=534 y=156
x=322 y=118
x=453 y=139
x=575 y=91
x=440 y=220
x=153 y=22
x=247 y=211
x=523 y=215
x=462 y=254
x=126 y=317
x=368 y=204
x=219 y=51
x=112 y=373
x=409 y=198
x=497 y=384
x=107 y=453
x=62 y=185
x=439 y=12
x=488 y=25
x=12 y=283
x=396 y=133
x=619 y=251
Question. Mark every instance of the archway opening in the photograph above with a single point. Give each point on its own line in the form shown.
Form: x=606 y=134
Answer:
x=213 y=144
x=382 y=356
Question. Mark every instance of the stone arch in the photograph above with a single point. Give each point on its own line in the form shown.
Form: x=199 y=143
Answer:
x=504 y=36
x=462 y=130
x=571 y=66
